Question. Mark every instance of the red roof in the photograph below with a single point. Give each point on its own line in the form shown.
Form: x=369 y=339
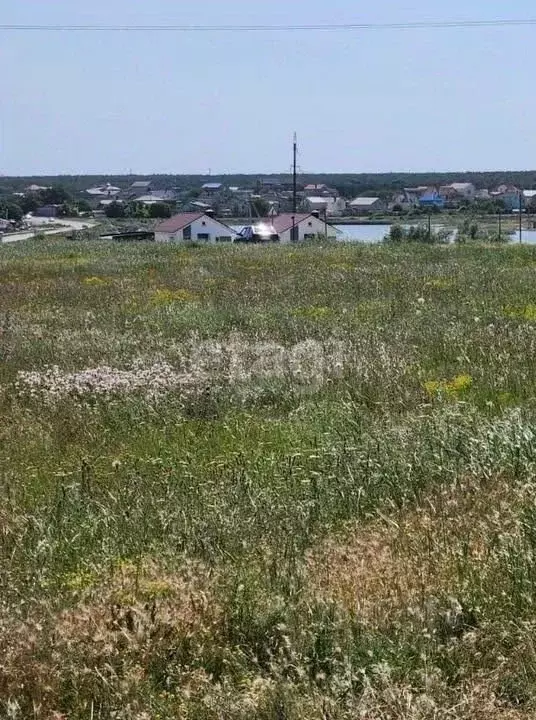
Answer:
x=178 y=222
x=285 y=222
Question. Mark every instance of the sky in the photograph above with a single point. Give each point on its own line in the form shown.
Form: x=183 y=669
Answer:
x=82 y=102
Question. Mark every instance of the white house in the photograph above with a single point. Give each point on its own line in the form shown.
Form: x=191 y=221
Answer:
x=193 y=227
x=329 y=205
x=105 y=191
x=300 y=227
x=366 y=205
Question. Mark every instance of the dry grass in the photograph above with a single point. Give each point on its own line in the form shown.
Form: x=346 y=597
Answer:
x=119 y=635
x=402 y=563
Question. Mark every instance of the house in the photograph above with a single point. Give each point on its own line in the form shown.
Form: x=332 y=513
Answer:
x=401 y=202
x=34 y=189
x=324 y=205
x=104 y=191
x=509 y=195
x=414 y=194
x=432 y=199
x=141 y=186
x=193 y=227
x=366 y=205
x=458 y=191
x=529 y=197
x=211 y=188
x=300 y=227
x=49 y=211
x=157 y=196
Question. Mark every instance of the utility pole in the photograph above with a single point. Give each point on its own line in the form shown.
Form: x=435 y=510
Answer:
x=520 y=216
x=500 y=226
x=429 y=228
x=294 y=187
x=326 y=222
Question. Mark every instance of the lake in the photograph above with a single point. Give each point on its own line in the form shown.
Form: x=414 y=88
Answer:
x=376 y=233
x=373 y=234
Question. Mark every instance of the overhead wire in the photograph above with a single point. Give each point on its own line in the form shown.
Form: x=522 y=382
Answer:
x=348 y=27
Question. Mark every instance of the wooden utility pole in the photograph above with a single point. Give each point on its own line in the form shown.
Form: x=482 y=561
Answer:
x=520 y=216
x=294 y=187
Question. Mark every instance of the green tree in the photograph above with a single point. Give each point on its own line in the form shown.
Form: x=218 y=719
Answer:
x=10 y=210
x=115 y=210
x=54 y=196
x=260 y=207
x=159 y=210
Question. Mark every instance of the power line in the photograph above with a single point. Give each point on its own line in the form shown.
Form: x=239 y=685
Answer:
x=425 y=25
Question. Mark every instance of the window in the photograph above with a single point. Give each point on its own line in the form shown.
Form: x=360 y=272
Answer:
x=310 y=224
x=203 y=236
x=309 y=237
x=187 y=233
x=203 y=223
x=224 y=239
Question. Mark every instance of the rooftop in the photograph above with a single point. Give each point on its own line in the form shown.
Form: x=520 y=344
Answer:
x=285 y=222
x=364 y=201
x=178 y=222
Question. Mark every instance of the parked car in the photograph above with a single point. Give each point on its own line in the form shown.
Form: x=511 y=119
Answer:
x=260 y=233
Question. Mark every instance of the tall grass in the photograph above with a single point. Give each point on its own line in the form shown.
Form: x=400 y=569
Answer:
x=267 y=482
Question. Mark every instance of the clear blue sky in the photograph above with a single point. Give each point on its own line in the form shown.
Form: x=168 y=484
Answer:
x=447 y=99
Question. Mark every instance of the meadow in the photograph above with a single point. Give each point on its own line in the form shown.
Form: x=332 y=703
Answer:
x=285 y=483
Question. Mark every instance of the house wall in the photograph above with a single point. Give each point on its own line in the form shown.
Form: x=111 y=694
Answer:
x=366 y=209
x=333 y=206
x=215 y=231
x=310 y=226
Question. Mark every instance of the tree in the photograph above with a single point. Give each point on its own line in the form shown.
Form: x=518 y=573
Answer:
x=396 y=234
x=11 y=210
x=83 y=206
x=54 y=196
x=159 y=210
x=260 y=207
x=28 y=204
x=115 y=210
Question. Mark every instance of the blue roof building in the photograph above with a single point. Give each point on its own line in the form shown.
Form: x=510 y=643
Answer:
x=432 y=199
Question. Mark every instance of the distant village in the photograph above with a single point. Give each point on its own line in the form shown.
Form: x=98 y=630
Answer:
x=274 y=197
x=212 y=211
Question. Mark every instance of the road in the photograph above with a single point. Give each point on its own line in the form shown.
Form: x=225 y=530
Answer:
x=40 y=227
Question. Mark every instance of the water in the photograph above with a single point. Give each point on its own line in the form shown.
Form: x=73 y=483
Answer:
x=363 y=233
x=373 y=234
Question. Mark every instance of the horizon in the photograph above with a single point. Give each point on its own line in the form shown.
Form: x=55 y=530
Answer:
x=263 y=174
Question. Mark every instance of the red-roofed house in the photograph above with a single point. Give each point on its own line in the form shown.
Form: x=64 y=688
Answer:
x=193 y=227
x=300 y=227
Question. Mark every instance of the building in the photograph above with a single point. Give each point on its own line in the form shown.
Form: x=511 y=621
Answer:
x=211 y=188
x=157 y=196
x=104 y=191
x=300 y=227
x=366 y=205
x=432 y=199
x=193 y=227
x=458 y=191
x=35 y=189
x=414 y=194
x=509 y=195
x=48 y=211
x=529 y=197
x=141 y=187
x=323 y=205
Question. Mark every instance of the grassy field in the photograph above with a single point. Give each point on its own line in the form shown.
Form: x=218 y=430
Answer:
x=278 y=483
